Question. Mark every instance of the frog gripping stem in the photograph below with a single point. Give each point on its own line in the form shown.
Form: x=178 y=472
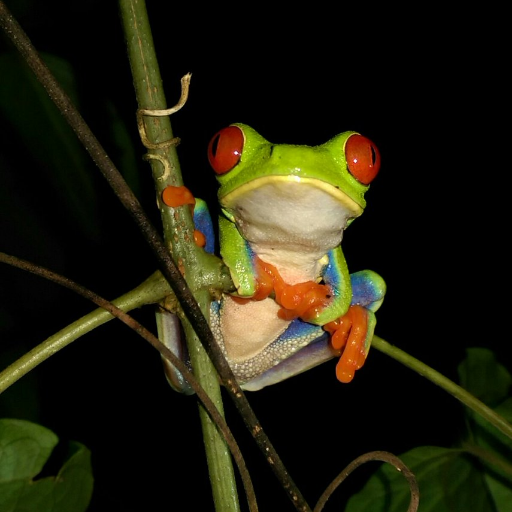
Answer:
x=284 y=209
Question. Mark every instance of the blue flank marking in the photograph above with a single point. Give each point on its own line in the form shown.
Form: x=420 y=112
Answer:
x=331 y=275
x=368 y=289
x=203 y=223
x=298 y=328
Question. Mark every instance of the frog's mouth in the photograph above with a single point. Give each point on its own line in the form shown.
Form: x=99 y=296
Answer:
x=282 y=182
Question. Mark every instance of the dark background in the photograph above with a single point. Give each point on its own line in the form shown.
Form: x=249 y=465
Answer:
x=424 y=86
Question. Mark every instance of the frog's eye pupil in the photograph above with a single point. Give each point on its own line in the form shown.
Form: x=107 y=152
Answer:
x=214 y=144
x=374 y=154
x=225 y=149
x=363 y=158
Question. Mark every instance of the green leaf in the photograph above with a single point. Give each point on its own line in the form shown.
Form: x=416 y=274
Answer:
x=24 y=449
x=494 y=451
x=501 y=493
x=448 y=479
x=484 y=377
x=490 y=381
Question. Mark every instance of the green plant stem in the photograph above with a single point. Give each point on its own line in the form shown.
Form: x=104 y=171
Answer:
x=449 y=386
x=178 y=232
x=152 y=290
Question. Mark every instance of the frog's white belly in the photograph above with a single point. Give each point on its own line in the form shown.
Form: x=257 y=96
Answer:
x=248 y=328
x=291 y=225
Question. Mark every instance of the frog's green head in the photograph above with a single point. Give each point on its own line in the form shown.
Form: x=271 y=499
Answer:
x=244 y=161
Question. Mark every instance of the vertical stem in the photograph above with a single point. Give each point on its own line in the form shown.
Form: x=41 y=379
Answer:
x=178 y=231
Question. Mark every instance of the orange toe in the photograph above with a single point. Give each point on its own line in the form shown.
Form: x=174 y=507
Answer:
x=350 y=332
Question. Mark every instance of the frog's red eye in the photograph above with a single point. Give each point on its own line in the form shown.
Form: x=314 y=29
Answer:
x=363 y=158
x=225 y=149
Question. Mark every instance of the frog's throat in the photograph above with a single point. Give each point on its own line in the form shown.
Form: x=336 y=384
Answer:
x=231 y=198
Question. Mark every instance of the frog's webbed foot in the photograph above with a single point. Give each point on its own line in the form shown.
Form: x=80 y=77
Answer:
x=301 y=300
x=351 y=334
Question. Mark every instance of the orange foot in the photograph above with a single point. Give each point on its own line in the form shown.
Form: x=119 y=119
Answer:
x=349 y=336
x=301 y=300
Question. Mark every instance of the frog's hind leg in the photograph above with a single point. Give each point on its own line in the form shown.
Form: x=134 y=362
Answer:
x=317 y=352
x=170 y=333
x=368 y=289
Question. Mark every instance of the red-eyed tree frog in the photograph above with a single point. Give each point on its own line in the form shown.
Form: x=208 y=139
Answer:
x=284 y=210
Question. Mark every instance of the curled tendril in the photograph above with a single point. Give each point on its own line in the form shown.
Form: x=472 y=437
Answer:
x=141 y=112
x=163 y=161
x=372 y=456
